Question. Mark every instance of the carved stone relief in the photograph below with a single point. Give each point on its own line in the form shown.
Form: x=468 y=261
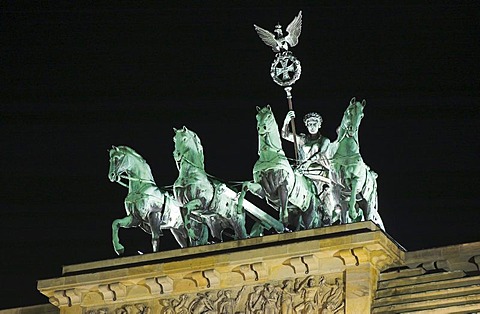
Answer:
x=134 y=309
x=125 y=309
x=306 y=295
x=99 y=311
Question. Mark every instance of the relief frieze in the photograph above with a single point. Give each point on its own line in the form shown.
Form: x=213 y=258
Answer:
x=139 y=308
x=307 y=295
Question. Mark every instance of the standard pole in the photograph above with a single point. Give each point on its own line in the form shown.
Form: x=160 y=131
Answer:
x=288 y=90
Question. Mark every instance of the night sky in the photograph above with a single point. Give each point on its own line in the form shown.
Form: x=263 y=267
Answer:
x=76 y=80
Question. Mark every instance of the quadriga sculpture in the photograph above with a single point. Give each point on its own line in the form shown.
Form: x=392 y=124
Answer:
x=291 y=193
x=206 y=202
x=147 y=206
x=357 y=182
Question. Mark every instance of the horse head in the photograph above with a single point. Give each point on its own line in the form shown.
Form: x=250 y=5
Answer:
x=188 y=147
x=147 y=206
x=118 y=164
x=266 y=120
x=124 y=160
x=352 y=117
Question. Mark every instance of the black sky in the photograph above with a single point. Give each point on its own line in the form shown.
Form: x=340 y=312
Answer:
x=75 y=80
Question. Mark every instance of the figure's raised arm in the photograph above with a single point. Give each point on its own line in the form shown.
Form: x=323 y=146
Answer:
x=286 y=132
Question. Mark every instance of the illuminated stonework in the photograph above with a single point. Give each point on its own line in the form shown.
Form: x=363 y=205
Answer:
x=332 y=270
x=354 y=268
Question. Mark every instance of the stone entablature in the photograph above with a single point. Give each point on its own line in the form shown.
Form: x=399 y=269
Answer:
x=440 y=280
x=34 y=309
x=335 y=269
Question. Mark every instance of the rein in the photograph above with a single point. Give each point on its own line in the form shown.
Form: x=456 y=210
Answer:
x=136 y=179
x=267 y=142
x=122 y=184
x=346 y=135
x=191 y=163
x=209 y=175
x=132 y=179
x=127 y=177
x=350 y=158
x=214 y=196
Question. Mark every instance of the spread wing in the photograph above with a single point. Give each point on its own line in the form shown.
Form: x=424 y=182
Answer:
x=267 y=37
x=294 y=29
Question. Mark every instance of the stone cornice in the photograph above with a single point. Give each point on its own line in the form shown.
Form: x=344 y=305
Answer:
x=321 y=252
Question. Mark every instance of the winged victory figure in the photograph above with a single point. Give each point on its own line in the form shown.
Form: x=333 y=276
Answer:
x=277 y=41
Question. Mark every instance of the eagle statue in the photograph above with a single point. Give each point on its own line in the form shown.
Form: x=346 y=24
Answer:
x=277 y=41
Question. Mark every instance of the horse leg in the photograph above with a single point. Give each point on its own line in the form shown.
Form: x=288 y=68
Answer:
x=373 y=209
x=126 y=222
x=283 y=197
x=338 y=208
x=238 y=224
x=241 y=197
x=254 y=188
x=155 y=219
x=197 y=231
x=353 y=199
x=257 y=230
x=324 y=207
x=200 y=233
x=364 y=209
x=265 y=183
x=311 y=218
x=186 y=210
x=295 y=221
x=181 y=236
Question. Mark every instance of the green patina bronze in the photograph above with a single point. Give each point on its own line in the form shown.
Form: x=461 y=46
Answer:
x=355 y=180
x=206 y=205
x=290 y=192
x=147 y=206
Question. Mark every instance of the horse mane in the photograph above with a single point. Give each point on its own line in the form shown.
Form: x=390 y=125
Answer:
x=132 y=152
x=197 y=149
x=275 y=133
x=343 y=124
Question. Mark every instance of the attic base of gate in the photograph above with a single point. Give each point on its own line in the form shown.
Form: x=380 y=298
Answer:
x=327 y=270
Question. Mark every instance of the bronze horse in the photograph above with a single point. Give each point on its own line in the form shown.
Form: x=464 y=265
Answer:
x=147 y=206
x=288 y=191
x=205 y=202
x=356 y=180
